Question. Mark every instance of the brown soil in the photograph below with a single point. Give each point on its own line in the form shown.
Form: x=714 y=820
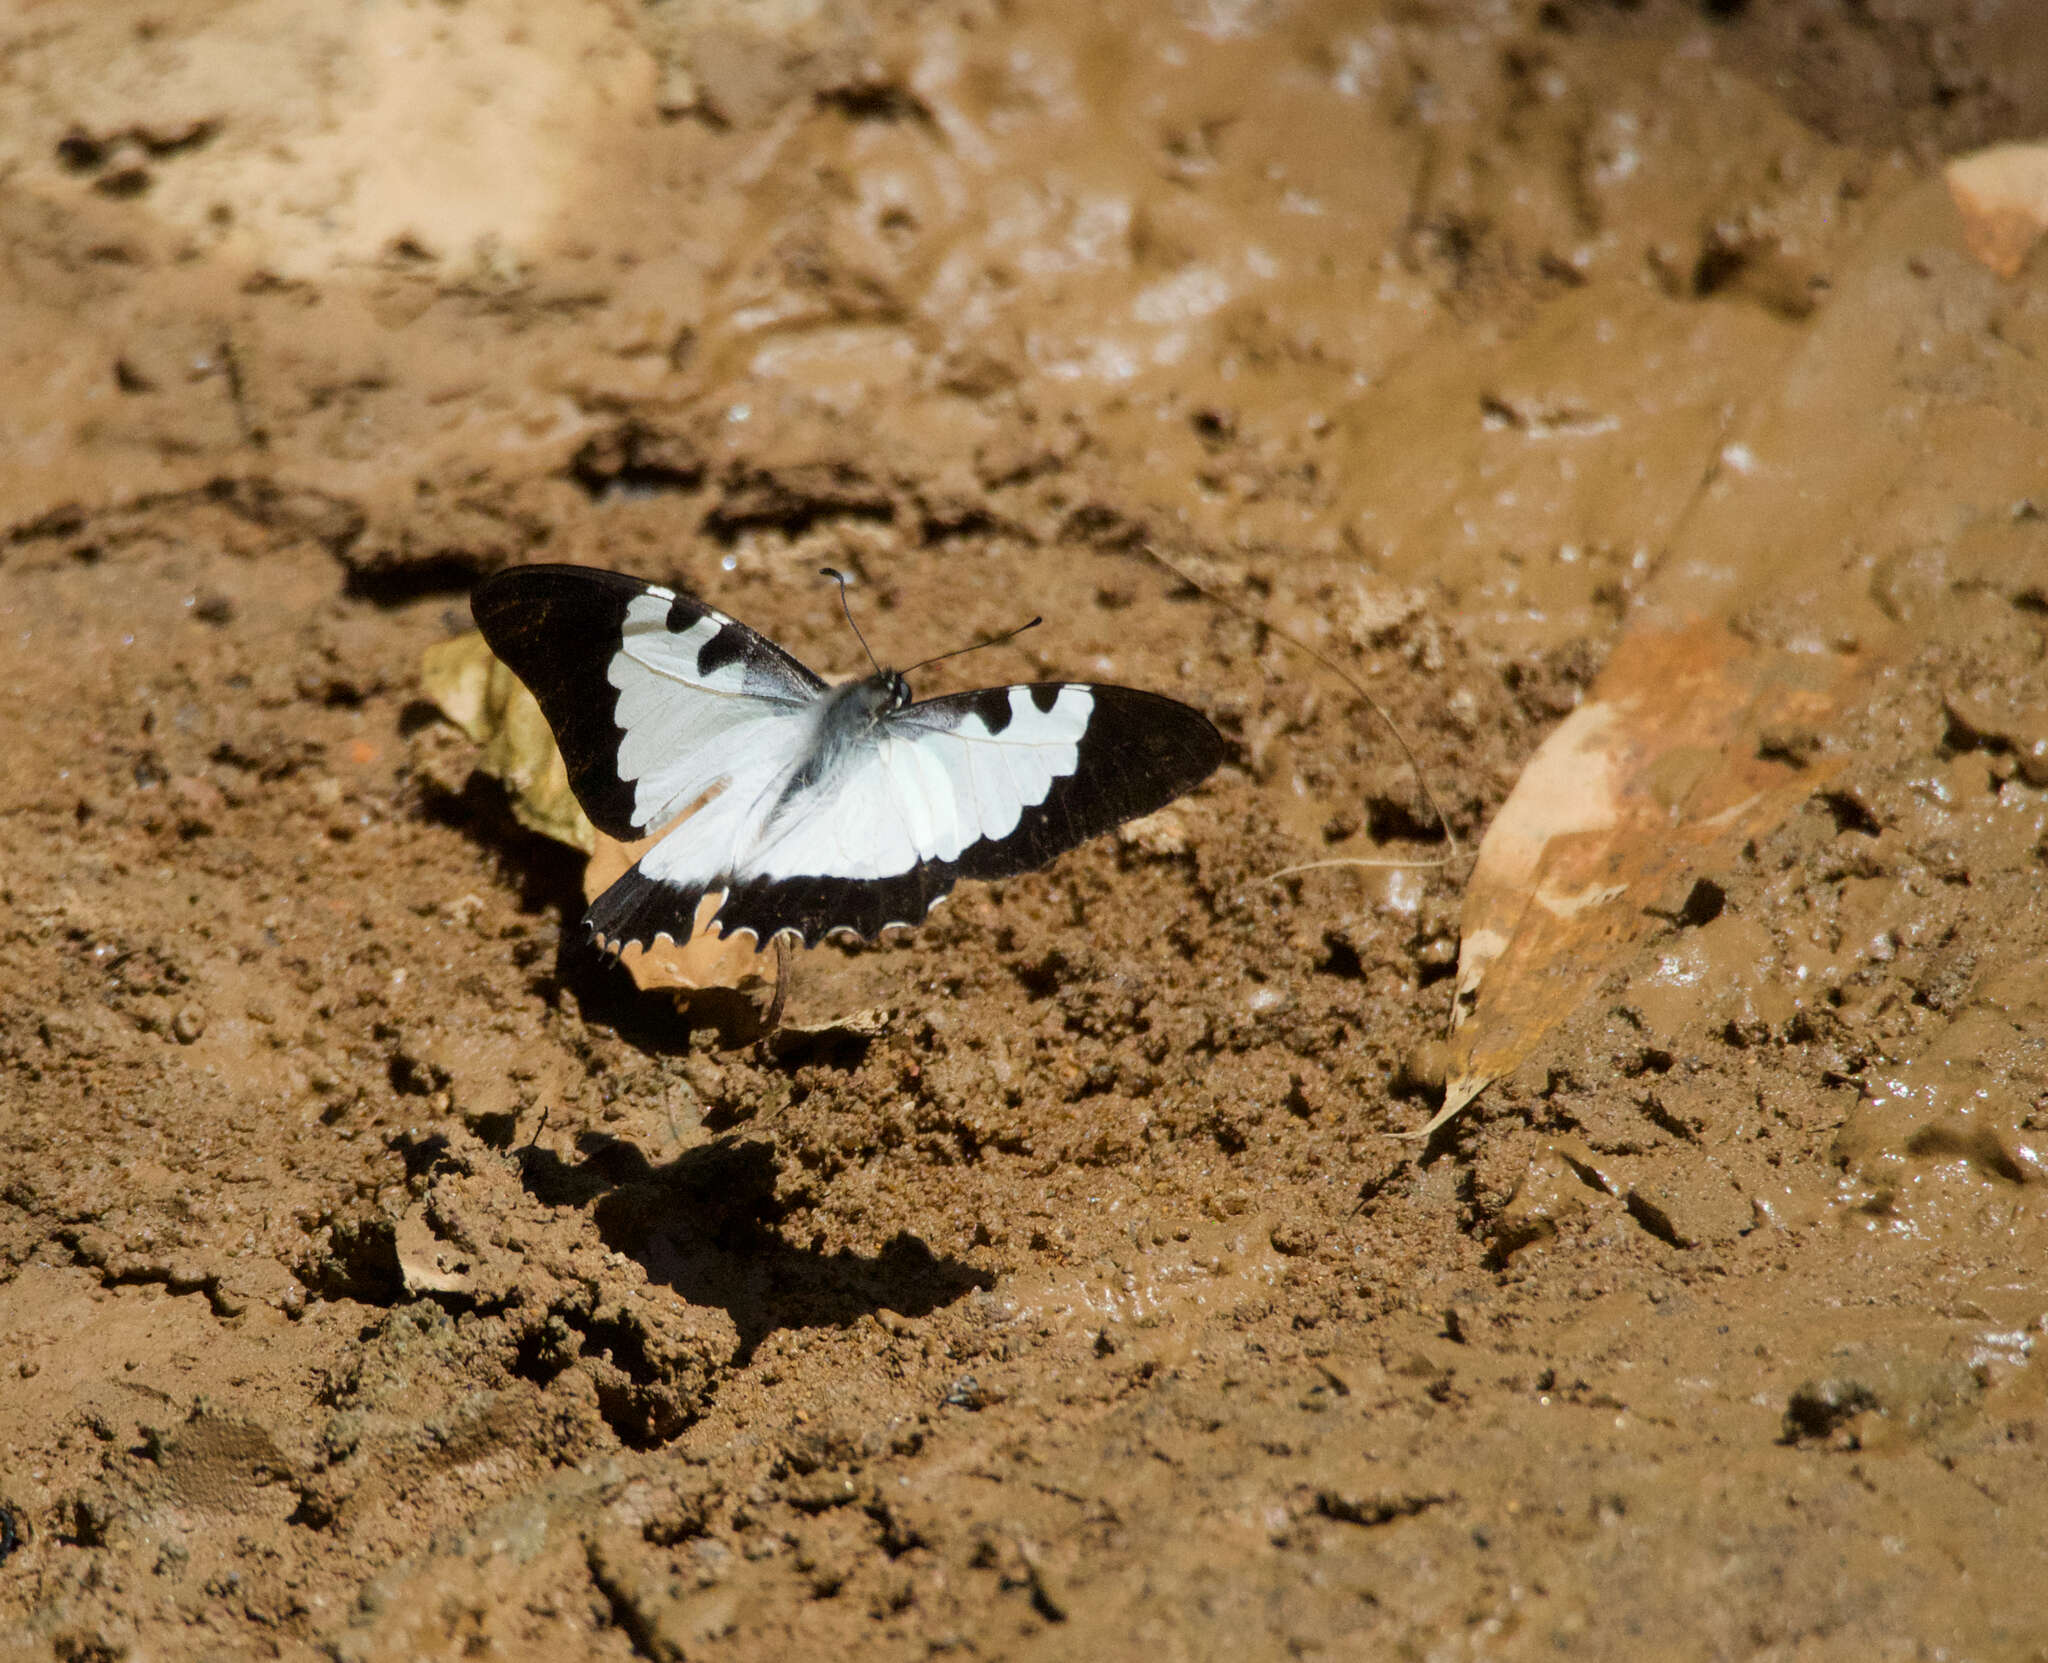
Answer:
x=381 y=1278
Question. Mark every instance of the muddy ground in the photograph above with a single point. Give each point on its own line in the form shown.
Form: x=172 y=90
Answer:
x=384 y=1278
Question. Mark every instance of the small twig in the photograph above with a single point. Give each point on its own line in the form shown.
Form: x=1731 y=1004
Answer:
x=784 y=966
x=1456 y=850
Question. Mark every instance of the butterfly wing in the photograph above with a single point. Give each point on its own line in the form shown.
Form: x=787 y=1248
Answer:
x=973 y=785
x=654 y=697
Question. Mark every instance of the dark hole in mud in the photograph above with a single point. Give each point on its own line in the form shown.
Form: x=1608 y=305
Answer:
x=1849 y=814
x=79 y=152
x=410 y=1077
x=1719 y=265
x=1819 y=1407
x=637 y=459
x=85 y=1521
x=622 y=1345
x=1428 y=974
x=958 y=525
x=883 y=101
x=1043 y=978
x=631 y=481
x=1104 y=527
x=791 y=518
x=421 y=1154
x=360 y=1263
x=1372 y=1510
x=418 y=715
x=1389 y=821
x=545 y=1350
x=1703 y=903
x=642 y=1415
x=448 y=571
x=124 y=183
x=1340 y=958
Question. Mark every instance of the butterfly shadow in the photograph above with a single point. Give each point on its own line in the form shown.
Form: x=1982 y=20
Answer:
x=655 y=1023
x=703 y=1225
x=547 y=874
x=549 y=879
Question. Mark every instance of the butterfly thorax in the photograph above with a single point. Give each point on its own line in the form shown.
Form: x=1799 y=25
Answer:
x=847 y=716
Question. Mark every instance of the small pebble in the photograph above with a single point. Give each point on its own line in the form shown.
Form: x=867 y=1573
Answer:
x=189 y=1023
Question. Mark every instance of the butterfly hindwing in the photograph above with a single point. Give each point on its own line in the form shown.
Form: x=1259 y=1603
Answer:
x=982 y=784
x=645 y=688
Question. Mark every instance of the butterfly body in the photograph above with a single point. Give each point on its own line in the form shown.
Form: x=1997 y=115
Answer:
x=811 y=807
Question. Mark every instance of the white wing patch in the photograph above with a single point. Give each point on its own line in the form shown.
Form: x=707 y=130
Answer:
x=914 y=793
x=683 y=731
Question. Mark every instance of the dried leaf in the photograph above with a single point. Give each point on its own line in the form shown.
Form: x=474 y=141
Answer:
x=1654 y=781
x=1789 y=584
x=492 y=706
x=707 y=959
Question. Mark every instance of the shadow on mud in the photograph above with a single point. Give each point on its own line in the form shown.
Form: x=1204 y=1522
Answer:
x=703 y=1224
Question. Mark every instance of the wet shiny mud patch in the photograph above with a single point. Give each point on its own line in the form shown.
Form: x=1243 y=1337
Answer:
x=382 y=1278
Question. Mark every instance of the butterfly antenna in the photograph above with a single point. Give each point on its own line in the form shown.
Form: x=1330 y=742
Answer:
x=976 y=646
x=840 y=579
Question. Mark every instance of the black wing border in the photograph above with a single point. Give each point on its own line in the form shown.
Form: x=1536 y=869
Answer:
x=558 y=628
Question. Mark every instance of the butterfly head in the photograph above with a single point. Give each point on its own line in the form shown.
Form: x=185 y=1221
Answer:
x=855 y=706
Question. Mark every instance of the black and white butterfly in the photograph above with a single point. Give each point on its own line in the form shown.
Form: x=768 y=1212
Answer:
x=823 y=808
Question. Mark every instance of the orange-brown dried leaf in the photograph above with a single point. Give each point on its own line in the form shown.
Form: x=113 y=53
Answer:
x=707 y=959
x=1666 y=770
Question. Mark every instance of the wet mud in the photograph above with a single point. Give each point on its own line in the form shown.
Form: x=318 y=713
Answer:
x=382 y=1276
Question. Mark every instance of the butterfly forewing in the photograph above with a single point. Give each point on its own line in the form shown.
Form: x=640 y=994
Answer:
x=640 y=685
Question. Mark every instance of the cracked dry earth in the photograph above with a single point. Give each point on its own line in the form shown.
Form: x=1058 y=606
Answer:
x=382 y=1277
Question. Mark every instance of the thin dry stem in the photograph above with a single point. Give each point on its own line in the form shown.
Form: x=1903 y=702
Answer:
x=1455 y=851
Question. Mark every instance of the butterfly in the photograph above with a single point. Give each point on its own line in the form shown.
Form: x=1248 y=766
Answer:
x=817 y=807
